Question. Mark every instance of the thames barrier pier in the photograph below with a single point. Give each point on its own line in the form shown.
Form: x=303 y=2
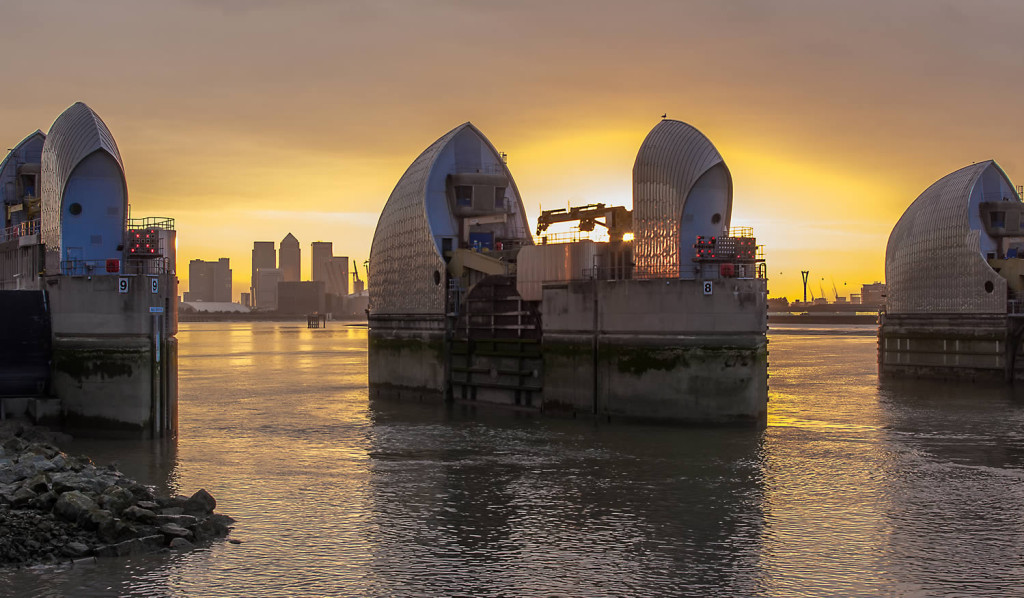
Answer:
x=954 y=266
x=664 y=321
x=89 y=294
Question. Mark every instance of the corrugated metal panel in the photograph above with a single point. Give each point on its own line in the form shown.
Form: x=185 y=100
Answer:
x=77 y=133
x=933 y=261
x=404 y=254
x=671 y=159
x=557 y=262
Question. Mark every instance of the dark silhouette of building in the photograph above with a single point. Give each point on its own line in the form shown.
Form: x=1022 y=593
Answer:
x=332 y=270
x=209 y=281
x=263 y=256
x=321 y=253
x=290 y=260
x=304 y=297
x=873 y=295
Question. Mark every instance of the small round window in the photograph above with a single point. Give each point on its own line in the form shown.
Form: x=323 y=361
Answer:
x=716 y=219
x=75 y=209
x=437 y=277
x=989 y=287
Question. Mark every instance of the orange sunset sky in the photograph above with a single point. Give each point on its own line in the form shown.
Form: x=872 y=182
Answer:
x=248 y=119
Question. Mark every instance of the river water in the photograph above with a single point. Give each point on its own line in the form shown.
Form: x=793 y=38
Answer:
x=855 y=488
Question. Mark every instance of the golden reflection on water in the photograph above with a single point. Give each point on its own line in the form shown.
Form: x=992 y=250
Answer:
x=853 y=489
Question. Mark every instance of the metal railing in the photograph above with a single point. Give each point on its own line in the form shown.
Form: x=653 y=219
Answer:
x=151 y=222
x=491 y=168
x=20 y=230
x=124 y=267
x=572 y=236
x=85 y=267
x=160 y=265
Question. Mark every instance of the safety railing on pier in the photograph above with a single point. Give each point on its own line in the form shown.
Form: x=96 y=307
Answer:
x=1014 y=303
x=147 y=266
x=151 y=222
x=572 y=236
x=89 y=267
x=740 y=271
x=19 y=230
x=139 y=267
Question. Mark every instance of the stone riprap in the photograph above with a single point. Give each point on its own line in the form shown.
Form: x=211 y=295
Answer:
x=54 y=507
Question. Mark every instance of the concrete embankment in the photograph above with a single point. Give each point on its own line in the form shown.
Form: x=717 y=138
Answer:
x=55 y=507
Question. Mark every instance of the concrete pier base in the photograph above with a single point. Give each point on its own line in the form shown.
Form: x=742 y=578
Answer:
x=954 y=346
x=707 y=379
x=406 y=358
x=115 y=357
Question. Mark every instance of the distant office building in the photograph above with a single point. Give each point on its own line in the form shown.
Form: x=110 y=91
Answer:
x=321 y=253
x=332 y=270
x=300 y=297
x=336 y=276
x=263 y=256
x=209 y=281
x=290 y=259
x=873 y=294
x=244 y=300
x=267 y=280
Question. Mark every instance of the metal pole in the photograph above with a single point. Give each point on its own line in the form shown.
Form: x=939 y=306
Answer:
x=804 y=274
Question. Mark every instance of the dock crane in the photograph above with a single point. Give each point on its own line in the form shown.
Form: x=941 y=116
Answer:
x=617 y=219
x=357 y=284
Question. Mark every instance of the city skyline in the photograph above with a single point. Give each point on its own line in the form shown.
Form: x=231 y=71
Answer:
x=831 y=121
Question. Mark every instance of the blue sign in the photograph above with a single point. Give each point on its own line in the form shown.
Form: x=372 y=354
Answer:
x=156 y=310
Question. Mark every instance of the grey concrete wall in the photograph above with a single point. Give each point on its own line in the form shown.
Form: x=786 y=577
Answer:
x=93 y=305
x=946 y=346
x=105 y=382
x=706 y=379
x=661 y=350
x=406 y=358
x=106 y=370
x=656 y=306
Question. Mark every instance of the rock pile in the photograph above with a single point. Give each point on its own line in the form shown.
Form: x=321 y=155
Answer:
x=54 y=507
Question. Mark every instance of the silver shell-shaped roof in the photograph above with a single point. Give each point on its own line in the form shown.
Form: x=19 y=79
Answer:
x=404 y=255
x=670 y=161
x=933 y=261
x=77 y=133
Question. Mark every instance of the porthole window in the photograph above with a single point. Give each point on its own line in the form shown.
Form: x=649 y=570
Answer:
x=437 y=277
x=716 y=219
x=75 y=209
x=989 y=287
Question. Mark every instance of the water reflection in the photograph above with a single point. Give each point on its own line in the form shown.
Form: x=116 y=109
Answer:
x=856 y=488
x=536 y=506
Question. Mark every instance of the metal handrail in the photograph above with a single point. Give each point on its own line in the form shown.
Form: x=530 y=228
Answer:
x=149 y=266
x=23 y=229
x=151 y=222
x=85 y=267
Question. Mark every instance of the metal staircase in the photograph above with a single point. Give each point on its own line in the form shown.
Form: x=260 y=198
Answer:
x=495 y=354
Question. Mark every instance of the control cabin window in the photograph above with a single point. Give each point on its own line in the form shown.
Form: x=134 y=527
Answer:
x=997 y=219
x=499 y=197
x=464 y=195
x=28 y=185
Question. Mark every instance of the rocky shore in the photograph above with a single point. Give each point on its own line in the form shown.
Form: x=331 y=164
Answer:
x=55 y=508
